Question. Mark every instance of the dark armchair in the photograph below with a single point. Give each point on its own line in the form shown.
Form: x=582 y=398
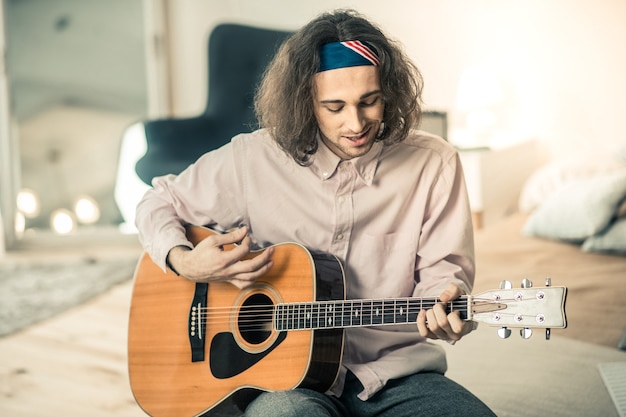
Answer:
x=238 y=56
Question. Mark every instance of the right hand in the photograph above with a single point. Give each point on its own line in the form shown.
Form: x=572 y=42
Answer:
x=209 y=262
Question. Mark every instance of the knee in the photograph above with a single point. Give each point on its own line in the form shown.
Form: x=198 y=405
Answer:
x=295 y=403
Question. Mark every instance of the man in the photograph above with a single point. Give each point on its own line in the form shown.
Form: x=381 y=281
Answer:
x=337 y=168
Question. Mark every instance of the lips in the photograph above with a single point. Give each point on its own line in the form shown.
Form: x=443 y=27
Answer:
x=358 y=138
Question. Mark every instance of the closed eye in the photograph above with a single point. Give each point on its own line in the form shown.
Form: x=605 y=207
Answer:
x=334 y=109
x=371 y=102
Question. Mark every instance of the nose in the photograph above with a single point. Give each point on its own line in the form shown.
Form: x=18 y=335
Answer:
x=355 y=120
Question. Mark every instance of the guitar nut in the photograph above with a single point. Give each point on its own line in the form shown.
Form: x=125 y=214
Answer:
x=541 y=295
x=540 y=318
x=496 y=317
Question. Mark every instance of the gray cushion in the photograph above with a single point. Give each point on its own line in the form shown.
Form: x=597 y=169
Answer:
x=578 y=210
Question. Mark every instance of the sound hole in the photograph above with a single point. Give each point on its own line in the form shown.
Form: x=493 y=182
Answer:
x=255 y=319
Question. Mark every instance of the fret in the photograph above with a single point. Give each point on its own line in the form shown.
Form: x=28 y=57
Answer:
x=338 y=322
x=291 y=317
x=284 y=317
x=388 y=311
x=414 y=308
x=300 y=321
x=317 y=316
x=280 y=317
x=328 y=315
x=348 y=308
x=365 y=313
x=401 y=313
x=277 y=318
x=377 y=312
x=307 y=315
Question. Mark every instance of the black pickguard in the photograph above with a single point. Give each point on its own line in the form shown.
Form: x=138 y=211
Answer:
x=228 y=359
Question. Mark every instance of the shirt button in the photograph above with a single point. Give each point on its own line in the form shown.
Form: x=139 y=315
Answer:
x=339 y=236
x=341 y=199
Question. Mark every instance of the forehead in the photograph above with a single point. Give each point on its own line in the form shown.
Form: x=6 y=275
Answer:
x=346 y=83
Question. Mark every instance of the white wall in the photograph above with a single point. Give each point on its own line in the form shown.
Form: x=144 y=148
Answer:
x=561 y=63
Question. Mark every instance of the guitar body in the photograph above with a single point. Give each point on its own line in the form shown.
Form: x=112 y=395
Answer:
x=184 y=362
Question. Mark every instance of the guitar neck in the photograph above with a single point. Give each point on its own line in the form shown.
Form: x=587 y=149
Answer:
x=358 y=313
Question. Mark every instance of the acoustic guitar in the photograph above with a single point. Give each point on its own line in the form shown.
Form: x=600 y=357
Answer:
x=208 y=349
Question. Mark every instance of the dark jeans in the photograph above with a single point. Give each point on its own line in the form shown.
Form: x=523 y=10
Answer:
x=424 y=394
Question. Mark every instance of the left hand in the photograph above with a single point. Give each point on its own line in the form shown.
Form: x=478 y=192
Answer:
x=436 y=324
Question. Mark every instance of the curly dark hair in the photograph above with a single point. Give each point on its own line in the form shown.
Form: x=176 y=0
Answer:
x=284 y=100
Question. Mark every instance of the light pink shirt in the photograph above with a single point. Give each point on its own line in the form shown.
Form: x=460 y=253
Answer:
x=397 y=217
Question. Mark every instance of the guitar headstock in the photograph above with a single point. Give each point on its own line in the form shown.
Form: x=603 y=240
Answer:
x=526 y=308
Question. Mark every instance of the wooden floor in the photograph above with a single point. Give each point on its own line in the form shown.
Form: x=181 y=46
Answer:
x=71 y=365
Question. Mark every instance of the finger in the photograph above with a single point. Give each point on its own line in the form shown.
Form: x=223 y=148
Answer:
x=422 y=327
x=245 y=280
x=436 y=325
x=253 y=264
x=228 y=257
x=452 y=292
x=457 y=325
x=232 y=238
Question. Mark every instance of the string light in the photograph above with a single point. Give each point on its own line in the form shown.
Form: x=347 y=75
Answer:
x=28 y=203
x=62 y=221
x=87 y=210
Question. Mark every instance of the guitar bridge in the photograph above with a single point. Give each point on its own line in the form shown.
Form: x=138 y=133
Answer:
x=196 y=324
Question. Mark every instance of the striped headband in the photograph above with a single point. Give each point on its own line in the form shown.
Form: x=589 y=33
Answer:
x=346 y=54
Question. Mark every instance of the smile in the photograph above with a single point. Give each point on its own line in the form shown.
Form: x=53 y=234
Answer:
x=359 y=137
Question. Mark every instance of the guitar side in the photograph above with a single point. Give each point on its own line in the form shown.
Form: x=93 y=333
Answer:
x=234 y=368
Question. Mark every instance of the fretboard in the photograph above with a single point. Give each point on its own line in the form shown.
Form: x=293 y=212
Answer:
x=357 y=313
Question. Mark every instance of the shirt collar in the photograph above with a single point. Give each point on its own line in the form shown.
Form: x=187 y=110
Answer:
x=326 y=162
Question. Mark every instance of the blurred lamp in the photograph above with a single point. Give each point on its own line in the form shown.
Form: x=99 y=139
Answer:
x=87 y=210
x=28 y=203
x=20 y=224
x=62 y=221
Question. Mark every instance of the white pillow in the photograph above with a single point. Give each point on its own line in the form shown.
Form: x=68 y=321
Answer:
x=579 y=209
x=612 y=240
x=548 y=179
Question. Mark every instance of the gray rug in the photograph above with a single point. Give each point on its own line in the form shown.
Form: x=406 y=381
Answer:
x=30 y=293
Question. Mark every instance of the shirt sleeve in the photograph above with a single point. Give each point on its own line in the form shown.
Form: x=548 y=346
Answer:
x=188 y=198
x=446 y=245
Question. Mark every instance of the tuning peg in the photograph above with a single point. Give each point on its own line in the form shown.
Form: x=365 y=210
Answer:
x=526 y=333
x=505 y=285
x=504 y=333
x=548 y=334
x=526 y=283
x=548 y=282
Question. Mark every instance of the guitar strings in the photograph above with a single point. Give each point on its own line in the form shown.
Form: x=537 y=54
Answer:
x=259 y=317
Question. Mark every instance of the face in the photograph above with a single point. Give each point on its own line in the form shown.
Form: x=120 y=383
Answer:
x=349 y=106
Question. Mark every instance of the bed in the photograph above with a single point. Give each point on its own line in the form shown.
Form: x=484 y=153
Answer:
x=570 y=227
x=596 y=282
